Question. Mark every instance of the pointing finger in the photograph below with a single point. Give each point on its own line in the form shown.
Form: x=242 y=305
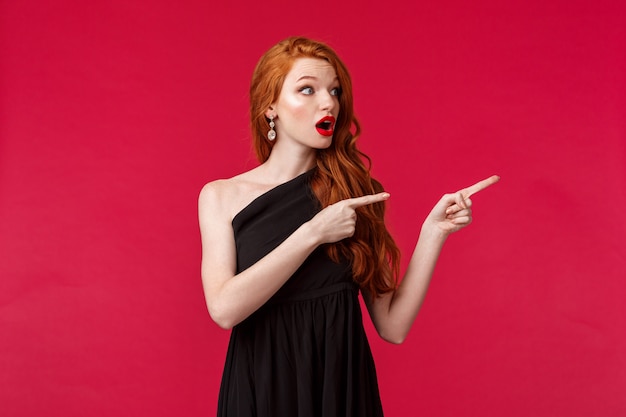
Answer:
x=479 y=186
x=367 y=199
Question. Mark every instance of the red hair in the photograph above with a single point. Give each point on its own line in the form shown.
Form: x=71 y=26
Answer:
x=341 y=173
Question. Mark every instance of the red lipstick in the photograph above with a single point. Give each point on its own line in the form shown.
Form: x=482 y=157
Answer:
x=325 y=126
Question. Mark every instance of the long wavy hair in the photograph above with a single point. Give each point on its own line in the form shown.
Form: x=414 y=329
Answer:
x=342 y=172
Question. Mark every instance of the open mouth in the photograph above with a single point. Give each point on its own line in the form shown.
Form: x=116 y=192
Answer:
x=325 y=126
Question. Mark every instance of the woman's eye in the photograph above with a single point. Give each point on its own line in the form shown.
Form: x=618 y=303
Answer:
x=335 y=91
x=306 y=90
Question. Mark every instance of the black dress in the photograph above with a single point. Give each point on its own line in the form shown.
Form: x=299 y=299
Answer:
x=305 y=352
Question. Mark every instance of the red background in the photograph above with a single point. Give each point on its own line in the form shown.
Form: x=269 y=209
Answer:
x=113 y=114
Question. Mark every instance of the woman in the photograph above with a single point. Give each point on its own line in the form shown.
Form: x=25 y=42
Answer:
x=287 y=246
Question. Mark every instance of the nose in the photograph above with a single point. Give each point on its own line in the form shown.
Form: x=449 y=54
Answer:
x=327 y=101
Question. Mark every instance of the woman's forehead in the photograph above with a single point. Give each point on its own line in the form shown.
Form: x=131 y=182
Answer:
x=308 y=68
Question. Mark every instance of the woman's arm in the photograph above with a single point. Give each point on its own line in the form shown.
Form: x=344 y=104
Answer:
x=232 y=297
x=393 y=314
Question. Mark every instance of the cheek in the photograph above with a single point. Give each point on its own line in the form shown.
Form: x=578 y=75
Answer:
x=294 y=104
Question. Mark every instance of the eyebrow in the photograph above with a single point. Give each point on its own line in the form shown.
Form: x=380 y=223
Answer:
x=306 y=77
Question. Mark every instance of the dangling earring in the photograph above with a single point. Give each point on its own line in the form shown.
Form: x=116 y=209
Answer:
x=271 y=135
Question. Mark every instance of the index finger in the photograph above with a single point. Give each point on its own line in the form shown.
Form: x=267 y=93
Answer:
x=367 y=199
x=479 y=186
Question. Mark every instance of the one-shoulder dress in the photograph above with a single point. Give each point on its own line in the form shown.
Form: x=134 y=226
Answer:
x=305 y=352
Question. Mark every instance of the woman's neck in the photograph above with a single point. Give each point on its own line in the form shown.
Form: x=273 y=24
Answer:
x=281 y=167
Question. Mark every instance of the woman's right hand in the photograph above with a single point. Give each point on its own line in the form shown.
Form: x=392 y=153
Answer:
x=338 y=221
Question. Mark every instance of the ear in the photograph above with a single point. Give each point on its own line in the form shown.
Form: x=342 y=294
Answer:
x=270 y=112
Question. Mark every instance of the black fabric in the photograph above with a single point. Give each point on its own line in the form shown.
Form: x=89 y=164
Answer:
x=304 y=353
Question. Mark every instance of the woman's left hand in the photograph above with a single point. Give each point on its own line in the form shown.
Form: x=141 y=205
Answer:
x=454 y=211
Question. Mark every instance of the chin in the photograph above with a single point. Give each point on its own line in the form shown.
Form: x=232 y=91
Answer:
x=325 y=144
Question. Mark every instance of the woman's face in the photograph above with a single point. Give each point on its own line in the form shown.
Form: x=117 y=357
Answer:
x=308 y=104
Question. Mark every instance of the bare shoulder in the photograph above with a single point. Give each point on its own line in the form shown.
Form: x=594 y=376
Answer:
x=224 y=198
x=216 y=192
x=217 y=197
